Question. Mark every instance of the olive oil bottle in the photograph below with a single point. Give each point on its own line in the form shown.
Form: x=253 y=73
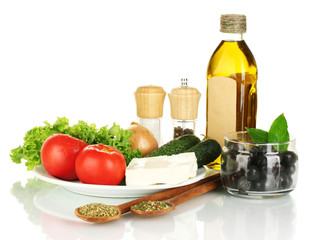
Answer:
x=231 y=82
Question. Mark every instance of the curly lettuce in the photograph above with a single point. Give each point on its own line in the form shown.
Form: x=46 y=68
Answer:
x=34 y=138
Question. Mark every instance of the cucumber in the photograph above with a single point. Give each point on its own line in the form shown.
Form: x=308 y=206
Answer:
x=178 y=145
x=206 y=151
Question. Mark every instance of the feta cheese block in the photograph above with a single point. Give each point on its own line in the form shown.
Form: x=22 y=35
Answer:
x=161 y=170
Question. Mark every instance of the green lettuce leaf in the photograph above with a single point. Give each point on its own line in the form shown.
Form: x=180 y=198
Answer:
x=34 y=138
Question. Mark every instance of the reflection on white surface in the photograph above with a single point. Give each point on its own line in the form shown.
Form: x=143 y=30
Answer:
x=214 y=214
x=60 y=202
x=242 y=218
x=258 y=219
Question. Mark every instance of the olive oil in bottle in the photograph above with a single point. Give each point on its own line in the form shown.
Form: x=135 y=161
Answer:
x=232 y=78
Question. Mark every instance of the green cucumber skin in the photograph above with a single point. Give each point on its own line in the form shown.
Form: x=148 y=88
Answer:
x=176 y=146
x=206 y=151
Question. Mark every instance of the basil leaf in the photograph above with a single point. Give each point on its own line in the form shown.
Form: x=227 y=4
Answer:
x=257 y=135
x=278 y=132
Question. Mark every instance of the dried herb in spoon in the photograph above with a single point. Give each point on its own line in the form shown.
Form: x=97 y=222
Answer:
x=98 y=210
x=150 y=206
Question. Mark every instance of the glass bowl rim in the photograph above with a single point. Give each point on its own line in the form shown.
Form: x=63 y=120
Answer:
x=226 y=137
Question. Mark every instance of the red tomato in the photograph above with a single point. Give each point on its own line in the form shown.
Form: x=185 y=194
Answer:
x=100 y=164
x=58 y=155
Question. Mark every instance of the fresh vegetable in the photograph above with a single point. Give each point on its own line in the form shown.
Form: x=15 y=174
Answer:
x=206 y=151
x=58 y=155
x=100 y=164
x=278 y=133
x=142 y=139
x=178 y=145
x=34 y=138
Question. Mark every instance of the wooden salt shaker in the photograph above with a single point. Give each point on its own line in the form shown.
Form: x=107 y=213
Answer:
x=184 y=108
x=150 y=101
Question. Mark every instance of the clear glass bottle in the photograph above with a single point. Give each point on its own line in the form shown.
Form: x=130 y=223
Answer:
x=184 y=108
x=150 y=101
x=231 y=82
x=183 y=127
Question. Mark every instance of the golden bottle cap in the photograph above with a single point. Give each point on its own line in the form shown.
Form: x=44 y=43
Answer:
x=184 y=102
x=150 y=100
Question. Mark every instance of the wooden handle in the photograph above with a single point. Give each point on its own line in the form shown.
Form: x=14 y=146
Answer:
x=197 y=191
x=166 y=194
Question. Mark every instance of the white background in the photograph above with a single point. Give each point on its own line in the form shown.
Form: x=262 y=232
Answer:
x=84 y=59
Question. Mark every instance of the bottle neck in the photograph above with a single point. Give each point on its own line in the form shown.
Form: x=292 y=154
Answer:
x=232 y=37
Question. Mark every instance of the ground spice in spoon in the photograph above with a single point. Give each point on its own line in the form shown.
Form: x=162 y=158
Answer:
x=150 y=206
x=98 y=210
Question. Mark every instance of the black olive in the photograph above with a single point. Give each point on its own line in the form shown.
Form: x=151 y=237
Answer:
x=251 y=162
x=235 y=146
x=237 y=175
x=264 y=149
x=261 y=162
x=232 y=154
x=253 y=173
x=258 y=151
x=243 y=184
x=285 y=181
x=290 y=170
x=288 y=158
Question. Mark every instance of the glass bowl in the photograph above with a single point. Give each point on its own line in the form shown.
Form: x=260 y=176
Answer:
x=258 y=170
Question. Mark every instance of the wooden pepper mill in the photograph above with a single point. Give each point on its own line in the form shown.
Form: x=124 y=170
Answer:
x=150 y=101
x=184 y=108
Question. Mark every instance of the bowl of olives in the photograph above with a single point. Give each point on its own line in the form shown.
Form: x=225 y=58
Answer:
x=258 y=170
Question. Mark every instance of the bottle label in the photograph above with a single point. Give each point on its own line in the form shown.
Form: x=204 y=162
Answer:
x=221 y=117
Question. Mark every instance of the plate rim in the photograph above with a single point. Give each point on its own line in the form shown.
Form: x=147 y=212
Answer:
x=42 y=174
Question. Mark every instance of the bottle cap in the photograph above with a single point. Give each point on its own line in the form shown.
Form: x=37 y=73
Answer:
x=150 y=100
x=184 y=102
x=233 y=23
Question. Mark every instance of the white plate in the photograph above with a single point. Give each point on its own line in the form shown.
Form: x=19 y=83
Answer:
x=120 y=191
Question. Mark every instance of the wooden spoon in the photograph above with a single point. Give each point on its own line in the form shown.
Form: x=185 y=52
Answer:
x=163 y=195
x=182 y=197
x=97 y=219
